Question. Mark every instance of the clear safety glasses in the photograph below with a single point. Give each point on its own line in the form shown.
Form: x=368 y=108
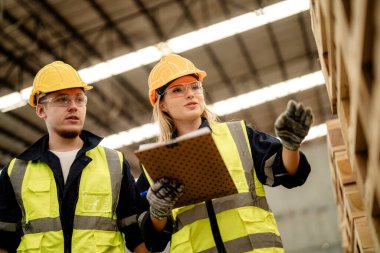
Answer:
x=64 y=100
x=180 y=90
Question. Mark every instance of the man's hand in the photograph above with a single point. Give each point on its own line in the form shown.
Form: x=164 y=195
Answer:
x=293 y=125
x=162 y=196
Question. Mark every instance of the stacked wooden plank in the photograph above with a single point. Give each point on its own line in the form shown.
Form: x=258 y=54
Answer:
x=352 y=215
x=347 y=34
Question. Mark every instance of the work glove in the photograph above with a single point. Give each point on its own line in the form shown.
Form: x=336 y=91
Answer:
x=162 y=196
x=293 y=125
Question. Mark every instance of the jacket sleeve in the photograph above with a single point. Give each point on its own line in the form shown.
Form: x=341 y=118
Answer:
x=269 y=166
x=10 y=215
x=127 y=209
x=142 y=185
x=155 y=241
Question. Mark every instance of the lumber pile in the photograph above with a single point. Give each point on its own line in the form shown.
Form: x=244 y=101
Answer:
x=347 y=34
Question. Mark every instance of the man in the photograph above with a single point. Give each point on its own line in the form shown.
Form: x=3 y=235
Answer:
x=66 y=193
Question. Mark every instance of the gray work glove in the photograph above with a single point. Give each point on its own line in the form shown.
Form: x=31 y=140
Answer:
x=293 y=125
x=162 y=196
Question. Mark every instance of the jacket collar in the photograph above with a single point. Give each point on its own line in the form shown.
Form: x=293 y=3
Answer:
x=204 y=123
x=39 y=150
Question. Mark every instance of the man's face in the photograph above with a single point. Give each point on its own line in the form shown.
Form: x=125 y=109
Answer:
x=64 y=112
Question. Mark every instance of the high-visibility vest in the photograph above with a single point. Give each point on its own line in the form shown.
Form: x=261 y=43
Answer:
x=95 y=223
x=244 y=219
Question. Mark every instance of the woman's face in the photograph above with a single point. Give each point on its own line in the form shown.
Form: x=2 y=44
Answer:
x=183 y=101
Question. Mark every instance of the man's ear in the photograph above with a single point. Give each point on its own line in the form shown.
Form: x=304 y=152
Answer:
x=41 y=111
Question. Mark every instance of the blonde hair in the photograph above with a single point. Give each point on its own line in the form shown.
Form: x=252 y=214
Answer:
x=166 y=123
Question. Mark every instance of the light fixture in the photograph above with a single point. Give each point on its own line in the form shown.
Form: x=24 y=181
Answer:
x=236 y=25
x=272 y=92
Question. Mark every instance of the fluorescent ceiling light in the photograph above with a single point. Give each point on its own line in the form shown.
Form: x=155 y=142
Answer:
x=237 y=25
x=120 y=64
x=256 y=97
x=228 y=106
x=180 y=44
x=11 y=101
x=134 y=135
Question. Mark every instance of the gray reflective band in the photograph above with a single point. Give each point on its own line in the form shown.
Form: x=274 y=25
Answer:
x=250 y=242
x=17 y=177
x=94 y=223
x=243 y=149
x=269 y=171
x=128 y=221
x=115 y=175
x=42 y=225
x=6 y=226
x=199 y=212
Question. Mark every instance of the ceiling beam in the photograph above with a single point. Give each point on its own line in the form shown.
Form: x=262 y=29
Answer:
x=216 y=63
x=17 y=60
x=134 y=92
x=275 y=46
x=16 y=138
x=248 y=60
x=124 y=38
x=121 y=35
x=70 y=28
x=154 y=23
x=31 y=35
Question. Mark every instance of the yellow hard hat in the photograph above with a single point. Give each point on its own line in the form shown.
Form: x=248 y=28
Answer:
x=53 y=77
x=169 y=68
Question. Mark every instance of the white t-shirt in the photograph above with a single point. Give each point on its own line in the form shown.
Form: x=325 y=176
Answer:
x=66 y=158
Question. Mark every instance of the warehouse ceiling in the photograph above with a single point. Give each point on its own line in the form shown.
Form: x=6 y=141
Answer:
x=83 y=33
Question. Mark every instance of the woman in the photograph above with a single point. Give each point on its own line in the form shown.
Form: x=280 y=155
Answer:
x=242 y=222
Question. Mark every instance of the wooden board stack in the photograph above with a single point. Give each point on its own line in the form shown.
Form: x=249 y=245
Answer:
x=347 y=34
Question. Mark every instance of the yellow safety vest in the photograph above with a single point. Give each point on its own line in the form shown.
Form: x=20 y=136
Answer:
x=244 y=219
x=95 y=222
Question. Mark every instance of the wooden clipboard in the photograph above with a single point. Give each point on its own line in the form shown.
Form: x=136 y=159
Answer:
x=195 y=161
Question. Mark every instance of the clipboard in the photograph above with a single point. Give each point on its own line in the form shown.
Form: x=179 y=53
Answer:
x=192 y=159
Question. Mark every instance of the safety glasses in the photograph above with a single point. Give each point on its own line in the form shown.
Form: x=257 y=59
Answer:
x=180 y=90
x=64 y=100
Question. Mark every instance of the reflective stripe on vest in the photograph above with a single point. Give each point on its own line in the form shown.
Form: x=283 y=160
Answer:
x=249 y=243
x=19 y=168
x=116 y=174
x=244 y=153
x=249 y=201
x=7 y=226
x=222 y=204
x=128 y=221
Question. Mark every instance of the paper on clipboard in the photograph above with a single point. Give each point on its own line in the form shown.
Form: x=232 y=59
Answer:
x=192 y=159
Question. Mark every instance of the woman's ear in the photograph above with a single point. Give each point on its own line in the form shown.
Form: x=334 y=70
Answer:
x=41 y=111
x=163 y=106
